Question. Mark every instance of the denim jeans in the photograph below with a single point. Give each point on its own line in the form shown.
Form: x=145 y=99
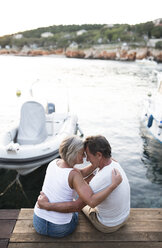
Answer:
x=45 y=227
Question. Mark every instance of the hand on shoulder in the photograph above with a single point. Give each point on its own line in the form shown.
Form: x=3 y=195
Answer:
x=116 y=177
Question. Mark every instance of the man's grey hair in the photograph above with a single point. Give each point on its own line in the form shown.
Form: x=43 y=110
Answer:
x=69 y=148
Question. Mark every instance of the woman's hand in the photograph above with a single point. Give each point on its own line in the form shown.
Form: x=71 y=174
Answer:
x=42 y=201
x=116 y=178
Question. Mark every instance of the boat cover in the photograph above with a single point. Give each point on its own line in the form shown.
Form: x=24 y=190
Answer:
x=32 y=127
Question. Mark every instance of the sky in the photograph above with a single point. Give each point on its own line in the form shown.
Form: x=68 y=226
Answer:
x=20 y=15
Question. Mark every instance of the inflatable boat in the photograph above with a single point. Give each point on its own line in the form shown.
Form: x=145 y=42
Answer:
x=36 y=140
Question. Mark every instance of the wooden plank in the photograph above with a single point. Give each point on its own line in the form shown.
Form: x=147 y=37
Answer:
x=89 y=237
x=7 y=222
x=9 y=214
x=146 y=213
x=131 y=226
x=6 y=228
x=88 y=245
x=137 y=213
x=144 y=225
x=3 y=243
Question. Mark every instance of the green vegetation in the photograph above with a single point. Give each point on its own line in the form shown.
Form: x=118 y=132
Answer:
x=62 y=36
x=158 y=45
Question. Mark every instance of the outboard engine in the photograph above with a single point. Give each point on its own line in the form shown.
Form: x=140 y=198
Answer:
x=50 y=108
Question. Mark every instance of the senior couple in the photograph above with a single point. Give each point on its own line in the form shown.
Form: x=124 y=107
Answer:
x=102 y=189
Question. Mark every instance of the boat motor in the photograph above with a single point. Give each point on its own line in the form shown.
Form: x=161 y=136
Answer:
x=50 y=108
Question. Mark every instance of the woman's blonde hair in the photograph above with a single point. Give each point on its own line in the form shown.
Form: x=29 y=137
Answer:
x=69 y=148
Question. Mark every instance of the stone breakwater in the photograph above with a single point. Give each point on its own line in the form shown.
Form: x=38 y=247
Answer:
x=32 y=52
x=107 y=54
x=117 y=54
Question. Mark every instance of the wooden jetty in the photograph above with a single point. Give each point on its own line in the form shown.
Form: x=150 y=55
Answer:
x=143 y=229
x=8 y=219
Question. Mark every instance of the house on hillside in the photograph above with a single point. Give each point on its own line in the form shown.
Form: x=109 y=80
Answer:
x=109 y=26
x=80 y=32
x=17 y=36
x=74 y=45
x=46 y=34
x=158 y=22
x=152 y=42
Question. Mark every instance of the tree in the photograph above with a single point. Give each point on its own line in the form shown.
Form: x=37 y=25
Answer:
x=157 y=32
x=158 y=45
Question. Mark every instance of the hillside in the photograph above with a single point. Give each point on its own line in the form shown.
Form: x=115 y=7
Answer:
x=80 y=37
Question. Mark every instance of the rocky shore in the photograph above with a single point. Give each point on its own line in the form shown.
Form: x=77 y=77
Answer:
x=117 y=54
x=121 y=54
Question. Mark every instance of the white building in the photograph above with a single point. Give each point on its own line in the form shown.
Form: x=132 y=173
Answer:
x=7 y=47
x=18 y=36
x=109 y=26
x=157 y=21
x=74 y=45
x=152 y=42
x=46 y=34
x=99 y=41
x=80 y=32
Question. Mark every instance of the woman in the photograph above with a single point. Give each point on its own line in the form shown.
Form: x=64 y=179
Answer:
x=62 y=180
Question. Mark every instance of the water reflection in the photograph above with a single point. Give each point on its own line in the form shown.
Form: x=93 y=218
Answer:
x=152 y=157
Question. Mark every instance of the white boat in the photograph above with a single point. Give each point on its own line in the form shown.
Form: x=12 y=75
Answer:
x=36 y=140
x=152 y=115
x=146 y=61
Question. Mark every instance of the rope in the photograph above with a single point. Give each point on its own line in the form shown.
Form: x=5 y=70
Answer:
x=17 y=181
x=8 y=187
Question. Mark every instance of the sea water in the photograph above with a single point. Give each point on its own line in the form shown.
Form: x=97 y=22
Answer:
x=107 y=97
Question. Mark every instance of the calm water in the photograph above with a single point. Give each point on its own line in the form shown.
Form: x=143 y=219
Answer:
x=107 y=97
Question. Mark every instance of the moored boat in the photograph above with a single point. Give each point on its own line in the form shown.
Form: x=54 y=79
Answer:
x=152 y=114
x=146 y=61
x=36 y=140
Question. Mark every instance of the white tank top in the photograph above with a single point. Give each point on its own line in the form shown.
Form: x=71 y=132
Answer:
x=57 y=189
x=115 y=209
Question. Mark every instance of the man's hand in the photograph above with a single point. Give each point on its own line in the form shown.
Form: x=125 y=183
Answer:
x=116 y=178
x=42 y=201
x=62 y=207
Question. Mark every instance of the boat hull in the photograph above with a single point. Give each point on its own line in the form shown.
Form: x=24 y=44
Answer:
x=152 y=113
x=27 y=158
x=25 y=167
x=153 y=132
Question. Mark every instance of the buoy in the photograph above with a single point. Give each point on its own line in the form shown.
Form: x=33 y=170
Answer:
x=150 y=121
x=18 y=93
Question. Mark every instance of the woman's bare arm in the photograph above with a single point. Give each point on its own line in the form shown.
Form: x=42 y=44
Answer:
x=86 y=195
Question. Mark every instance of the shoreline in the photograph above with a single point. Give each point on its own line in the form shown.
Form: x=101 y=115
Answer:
x=118 y=54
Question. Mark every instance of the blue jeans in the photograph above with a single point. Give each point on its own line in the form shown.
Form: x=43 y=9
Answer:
x=45 y=227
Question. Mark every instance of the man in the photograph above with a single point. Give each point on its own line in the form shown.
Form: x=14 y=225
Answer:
x=113 y=212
